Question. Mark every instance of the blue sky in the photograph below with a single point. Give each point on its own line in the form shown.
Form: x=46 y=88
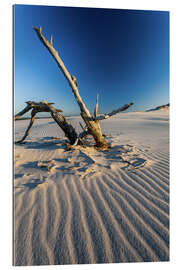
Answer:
x=123 y=55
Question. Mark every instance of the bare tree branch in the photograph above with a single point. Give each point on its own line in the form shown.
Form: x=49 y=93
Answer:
x=96 y=109
x=25 y=110
x=106 y=116
x=65 y=124
x=40 y=107
x=81 y=126
x=33 y=113
x=93 y=126
x=66 y=73
x=44 y=106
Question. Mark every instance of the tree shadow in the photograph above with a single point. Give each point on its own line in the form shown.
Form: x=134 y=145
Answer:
x=18 y=175
x=30 y=165
x=52 y=143
x=32 y=185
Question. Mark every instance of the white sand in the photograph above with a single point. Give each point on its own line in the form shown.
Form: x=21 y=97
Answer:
x=93 y=206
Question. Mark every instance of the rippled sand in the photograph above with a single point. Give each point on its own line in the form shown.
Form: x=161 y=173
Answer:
x=93 y=206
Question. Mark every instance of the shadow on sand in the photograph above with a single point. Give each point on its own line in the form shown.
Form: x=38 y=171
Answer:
x=50 y=143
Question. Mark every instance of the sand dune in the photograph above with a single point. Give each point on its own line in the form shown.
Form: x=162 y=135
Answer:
x=93 y=206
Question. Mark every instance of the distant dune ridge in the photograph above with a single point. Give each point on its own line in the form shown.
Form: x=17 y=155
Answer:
x=159 y=108
x=87 y=206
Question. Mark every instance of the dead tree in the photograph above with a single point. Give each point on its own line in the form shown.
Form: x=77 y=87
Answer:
x=92 y=122
x=43 y=106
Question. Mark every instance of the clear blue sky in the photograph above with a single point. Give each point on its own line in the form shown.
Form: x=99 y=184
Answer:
x=123 y=55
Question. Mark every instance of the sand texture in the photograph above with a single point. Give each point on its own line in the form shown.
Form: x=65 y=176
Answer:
x=86 y=206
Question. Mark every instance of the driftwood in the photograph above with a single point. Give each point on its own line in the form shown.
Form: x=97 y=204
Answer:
x=106 y=116
x=39 y=107
x=33 y=113
x=92 y=123
x=44 y=106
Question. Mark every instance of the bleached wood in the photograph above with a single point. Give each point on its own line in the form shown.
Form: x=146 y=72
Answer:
x=33 y=113
x=66 y=73
x=82 y=126
x=92 y=126
x=44 y=106
x=96 y=109
x=106 y=116
x=65 y=124
x=40 y=107
x=25 y=110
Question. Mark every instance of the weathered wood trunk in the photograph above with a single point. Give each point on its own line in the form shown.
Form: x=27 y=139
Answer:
x=65 y=125
x=43 y=106
x=92 y=126
x=94 y=129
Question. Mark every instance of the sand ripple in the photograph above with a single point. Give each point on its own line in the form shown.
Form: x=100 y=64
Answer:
x=119 y=216
x=115 y=214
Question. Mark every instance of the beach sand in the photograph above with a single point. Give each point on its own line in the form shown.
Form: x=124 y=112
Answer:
x=87 y=206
